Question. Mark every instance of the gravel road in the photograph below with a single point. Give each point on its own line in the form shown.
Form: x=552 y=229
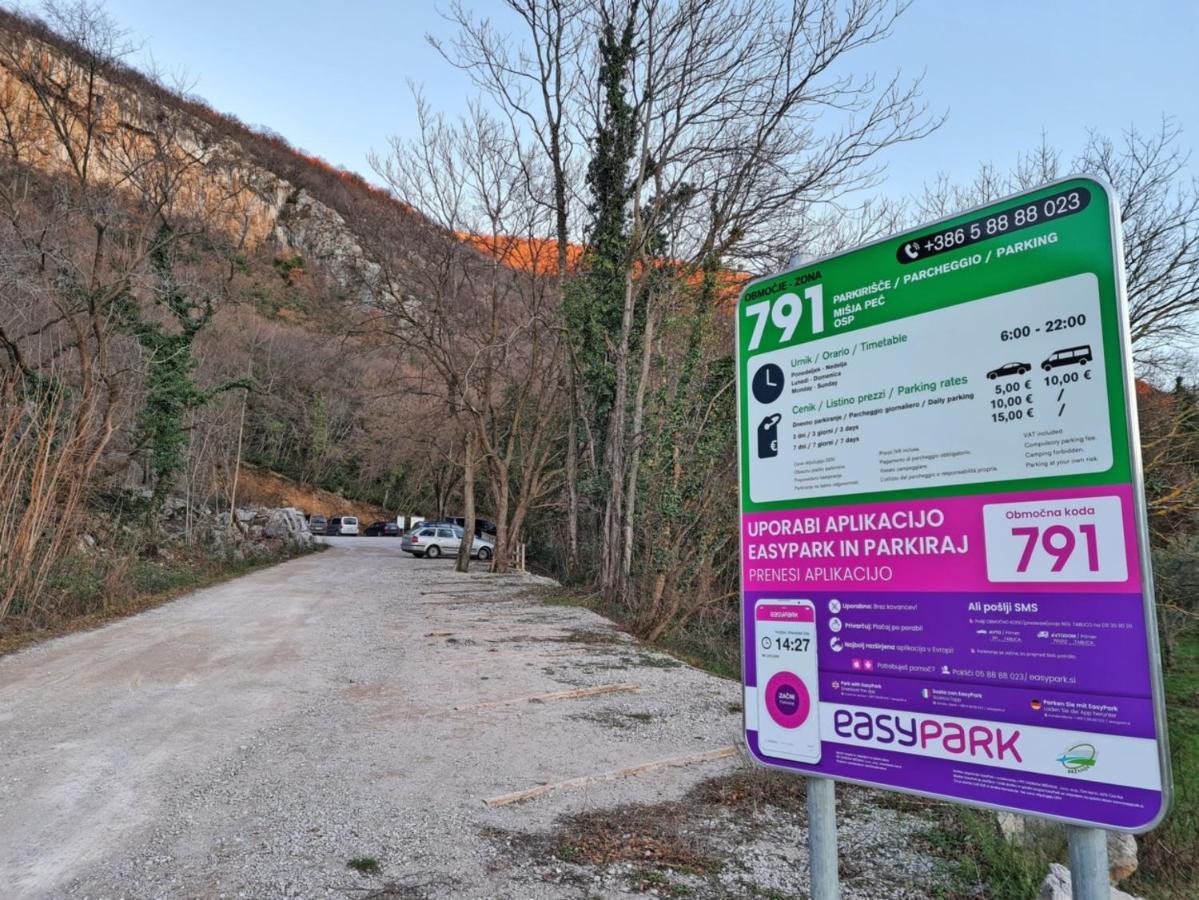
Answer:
x=250 y=740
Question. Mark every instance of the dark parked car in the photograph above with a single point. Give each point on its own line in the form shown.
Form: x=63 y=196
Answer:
x=482 y=526
x=1012 y=368
x=317 y=523
x=382 y=529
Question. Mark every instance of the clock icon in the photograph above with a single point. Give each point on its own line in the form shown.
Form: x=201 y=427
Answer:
x=768 y=383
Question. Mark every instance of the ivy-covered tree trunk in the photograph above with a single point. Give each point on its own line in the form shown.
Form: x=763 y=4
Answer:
x=171 y=392
x=600 y=311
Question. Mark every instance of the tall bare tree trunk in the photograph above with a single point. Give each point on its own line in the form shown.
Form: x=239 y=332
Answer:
x=241 y=431
x=189 y=479
x=572 y=483
x=635 y=431
x=468 y=503
x=501 y=502
x=615 y=456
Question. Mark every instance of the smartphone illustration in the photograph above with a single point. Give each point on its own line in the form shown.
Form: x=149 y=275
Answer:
x=788 y=686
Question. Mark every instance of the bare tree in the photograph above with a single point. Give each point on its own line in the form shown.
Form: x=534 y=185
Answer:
x=469 y=297
x=96 y=186
x=1159 y=213
x=745 y=125
x=538 y=85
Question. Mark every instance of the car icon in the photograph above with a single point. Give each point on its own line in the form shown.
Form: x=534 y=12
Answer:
x=1070 y=356
x=1012 y=368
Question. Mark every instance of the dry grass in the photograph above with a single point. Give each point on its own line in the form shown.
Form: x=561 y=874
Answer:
x=751 y=789
x=48 y=450
x=648 y=835
x=676 y=835
x=671 y=849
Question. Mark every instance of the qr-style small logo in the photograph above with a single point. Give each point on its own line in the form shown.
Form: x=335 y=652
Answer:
x=1079 y=758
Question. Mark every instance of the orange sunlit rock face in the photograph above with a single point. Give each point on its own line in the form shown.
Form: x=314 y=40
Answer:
x=536 y=255
x=540 y=257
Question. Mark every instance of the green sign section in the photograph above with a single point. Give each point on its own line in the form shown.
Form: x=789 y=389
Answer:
x=1002 y=323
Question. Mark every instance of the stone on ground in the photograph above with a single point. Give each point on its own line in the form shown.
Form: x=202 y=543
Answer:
x=1056 y=886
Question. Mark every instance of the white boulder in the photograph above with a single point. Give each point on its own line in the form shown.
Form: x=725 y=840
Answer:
x=1056 y=886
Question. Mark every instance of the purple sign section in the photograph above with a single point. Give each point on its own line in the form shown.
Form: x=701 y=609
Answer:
x=1099 y=714
x=1030 y=669
x=1048 y=795
x=1039 y=641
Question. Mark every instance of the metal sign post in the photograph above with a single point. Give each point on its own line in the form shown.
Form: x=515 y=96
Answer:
x=822 y=839
x=944 y=550
x=1088 y=864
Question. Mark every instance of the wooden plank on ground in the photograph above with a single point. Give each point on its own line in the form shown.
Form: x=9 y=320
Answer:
x=556 y=695
x=543 y=789
x=518 y=654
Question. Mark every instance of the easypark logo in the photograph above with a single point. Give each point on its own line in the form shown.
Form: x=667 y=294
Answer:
x=1079 y=758
x=885 y=729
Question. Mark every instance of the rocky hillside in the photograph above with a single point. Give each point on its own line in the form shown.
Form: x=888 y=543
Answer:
x=268 y=193
x=262 y=487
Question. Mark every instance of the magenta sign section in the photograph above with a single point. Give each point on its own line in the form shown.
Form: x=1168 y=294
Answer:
x=944 y=561
x=1042 y=538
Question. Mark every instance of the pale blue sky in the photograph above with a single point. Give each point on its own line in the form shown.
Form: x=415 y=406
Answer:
x=332 y=76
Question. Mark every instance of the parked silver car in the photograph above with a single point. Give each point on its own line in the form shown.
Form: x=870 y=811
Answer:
x=433 y=541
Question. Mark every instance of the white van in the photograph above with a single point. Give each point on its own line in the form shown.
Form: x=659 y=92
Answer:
x=343 y=525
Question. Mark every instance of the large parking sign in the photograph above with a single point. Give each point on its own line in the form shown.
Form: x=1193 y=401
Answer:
x=945 y=578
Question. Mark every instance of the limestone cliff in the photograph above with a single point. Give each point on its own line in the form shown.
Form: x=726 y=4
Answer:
x=67 y=109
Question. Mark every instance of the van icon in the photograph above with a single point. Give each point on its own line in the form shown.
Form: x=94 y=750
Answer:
x=1070 y=356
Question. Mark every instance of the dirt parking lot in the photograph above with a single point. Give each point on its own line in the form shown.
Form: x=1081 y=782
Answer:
x=334 y=727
